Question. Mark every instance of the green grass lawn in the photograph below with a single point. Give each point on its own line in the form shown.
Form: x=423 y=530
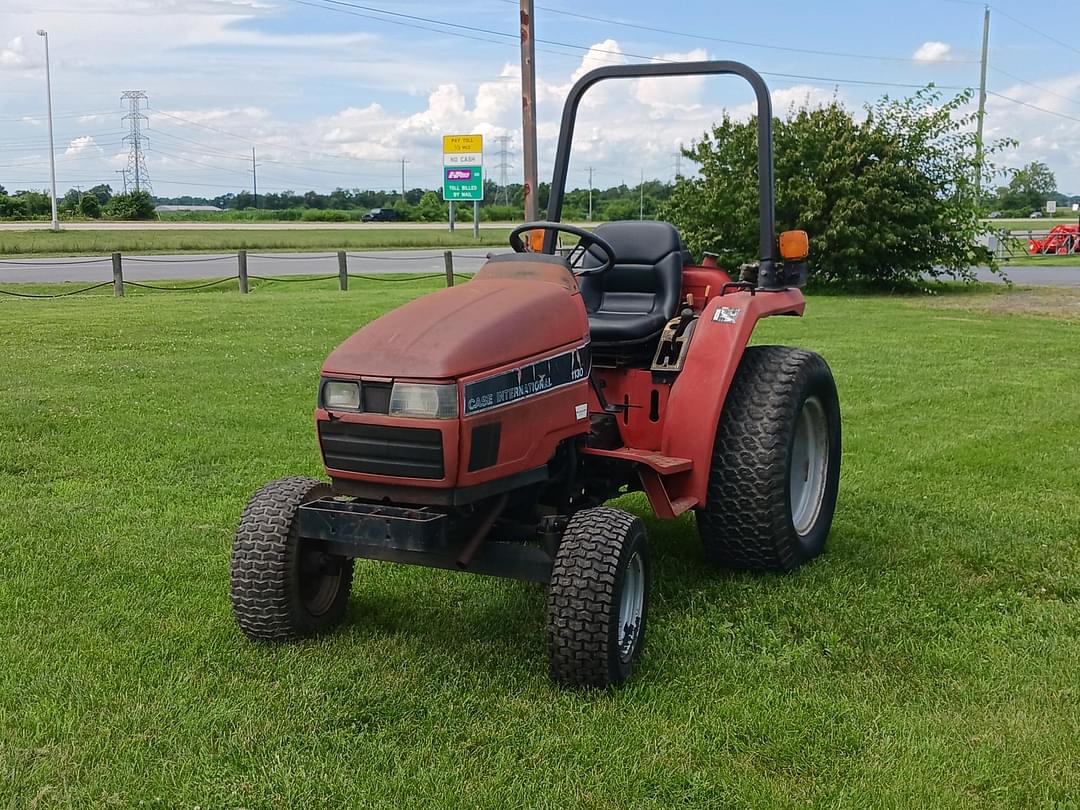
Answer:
x=362 y=237
x=929 y=659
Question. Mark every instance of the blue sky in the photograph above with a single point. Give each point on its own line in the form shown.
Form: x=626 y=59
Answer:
x=337 y=92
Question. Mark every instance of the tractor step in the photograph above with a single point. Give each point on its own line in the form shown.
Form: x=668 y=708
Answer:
x=657 y=462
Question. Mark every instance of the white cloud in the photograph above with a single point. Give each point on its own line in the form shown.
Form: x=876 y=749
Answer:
x=232 y=116
x=933 y=51
x=302 y=95
x=81 y=146
x=1053 y=139
x=13 y=54
x=669 y=94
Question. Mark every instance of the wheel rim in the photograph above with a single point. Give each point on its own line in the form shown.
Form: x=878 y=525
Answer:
x=809 y=465
x=631 y=607
x=320 y=578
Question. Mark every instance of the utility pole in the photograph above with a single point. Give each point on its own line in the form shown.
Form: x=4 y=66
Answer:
x=136 y=141
x=403 y=162
x=678 y=163
x=52 y=148
x=590 y=193
x=641 y=196
x=254 y=179
x=528 y=108
x=982 y=103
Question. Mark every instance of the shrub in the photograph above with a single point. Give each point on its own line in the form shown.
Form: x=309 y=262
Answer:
x=886 y=199
x=134 y=205
x=89 y=206
x=324 y=215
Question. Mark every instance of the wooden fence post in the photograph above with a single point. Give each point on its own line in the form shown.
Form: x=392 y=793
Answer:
x=241 y=270
x=343 y=270
x=117 y=276
x=448 y=259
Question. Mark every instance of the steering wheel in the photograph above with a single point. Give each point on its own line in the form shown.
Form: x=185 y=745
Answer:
x=586 y=240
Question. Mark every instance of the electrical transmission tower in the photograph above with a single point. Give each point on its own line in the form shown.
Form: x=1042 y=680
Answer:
x=135 y=175
x=504 y=167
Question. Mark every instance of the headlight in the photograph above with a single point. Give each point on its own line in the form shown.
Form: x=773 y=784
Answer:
x=424 y=400
x=339 y=394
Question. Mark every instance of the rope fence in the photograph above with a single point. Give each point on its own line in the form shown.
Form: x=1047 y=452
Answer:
x=242 y=276
x=62 y=264
x=55 y=295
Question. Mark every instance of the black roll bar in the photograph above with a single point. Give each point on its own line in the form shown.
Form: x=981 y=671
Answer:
x=767 y=212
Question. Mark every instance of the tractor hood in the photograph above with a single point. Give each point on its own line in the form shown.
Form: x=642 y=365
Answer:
x=510 y=311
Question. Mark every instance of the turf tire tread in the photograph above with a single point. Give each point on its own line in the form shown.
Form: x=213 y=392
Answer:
x=263 y=587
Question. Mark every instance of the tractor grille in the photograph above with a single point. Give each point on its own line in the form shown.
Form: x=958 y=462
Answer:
x=380 y=450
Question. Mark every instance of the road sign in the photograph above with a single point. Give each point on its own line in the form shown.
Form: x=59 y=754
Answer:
x=462 y=143
x=1051 y=206
x=463 y=167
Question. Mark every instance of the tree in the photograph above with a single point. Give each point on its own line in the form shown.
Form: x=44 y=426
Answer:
x=70 y=201
x=34 y=203
x=886 y=199
x=103 y=193
x=89 y=206
x=133 y=205
x=431 y=208
x=1031 y=187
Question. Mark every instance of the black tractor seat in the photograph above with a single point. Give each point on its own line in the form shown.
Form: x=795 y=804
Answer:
x=630 y=303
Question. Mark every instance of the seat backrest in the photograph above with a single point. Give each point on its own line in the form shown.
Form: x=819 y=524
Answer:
x=647 y=276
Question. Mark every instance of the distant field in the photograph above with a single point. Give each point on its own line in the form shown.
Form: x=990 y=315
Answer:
x=100 y=243
x=928 y=659
x=1025 y=224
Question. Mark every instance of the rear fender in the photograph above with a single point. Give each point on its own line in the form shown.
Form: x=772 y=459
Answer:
x=698 y=394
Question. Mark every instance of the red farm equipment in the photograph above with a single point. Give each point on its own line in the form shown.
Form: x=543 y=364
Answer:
x=484 y=428
x=1062 y=240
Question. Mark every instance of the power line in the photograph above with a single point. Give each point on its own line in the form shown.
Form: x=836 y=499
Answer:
x=183 y=159
x=744 y=43
x=1034 y=107
x=1038 y=31
x=1033 y=84
x=589 y=50
x=22 y=118
x=419 y=27
x=269 y=144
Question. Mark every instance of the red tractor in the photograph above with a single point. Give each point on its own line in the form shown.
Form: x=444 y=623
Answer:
x=484 y=427
x=1062 y=240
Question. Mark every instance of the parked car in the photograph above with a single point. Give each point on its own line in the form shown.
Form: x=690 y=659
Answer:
x=1036 y=215
x=995 y=215
x=380 y=215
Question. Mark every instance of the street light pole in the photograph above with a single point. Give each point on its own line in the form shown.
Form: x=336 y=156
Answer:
x=41 y=32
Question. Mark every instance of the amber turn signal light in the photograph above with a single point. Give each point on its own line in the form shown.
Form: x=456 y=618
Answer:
x=794 y=246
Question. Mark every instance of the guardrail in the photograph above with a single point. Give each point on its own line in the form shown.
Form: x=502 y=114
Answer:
x=243 y=275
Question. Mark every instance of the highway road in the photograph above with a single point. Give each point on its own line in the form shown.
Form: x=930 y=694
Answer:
x=466 y=260
x=1039 y=275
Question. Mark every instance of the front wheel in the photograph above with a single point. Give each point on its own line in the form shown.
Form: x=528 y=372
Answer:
x=776 y=463
x=281 y=587
x=598 y=599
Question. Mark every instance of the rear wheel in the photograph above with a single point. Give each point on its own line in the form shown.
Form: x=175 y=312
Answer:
x=281 y=587
x=598 y=599
x=776 y=463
